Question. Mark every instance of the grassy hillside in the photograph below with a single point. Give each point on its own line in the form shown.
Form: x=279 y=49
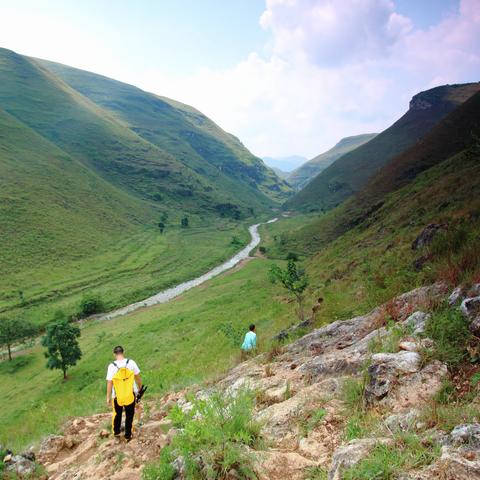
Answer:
x=82 y=194
x=180 y=130
x=457 y=131
x=163 y=340
x=309 y=170
x=351 y=172
x=360 y=253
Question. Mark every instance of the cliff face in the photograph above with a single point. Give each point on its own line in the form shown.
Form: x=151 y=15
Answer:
x=329 y=401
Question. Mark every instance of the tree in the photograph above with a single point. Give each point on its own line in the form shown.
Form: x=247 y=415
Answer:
x=294 y=279
x=62 y=346
x=15 y=330
x=184 y=222
x=164 y=217
x=161 y=226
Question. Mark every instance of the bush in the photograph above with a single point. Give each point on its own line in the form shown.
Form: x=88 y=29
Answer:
x=213 y=437
x=262 y=250
x=91 y=305
x=448 y=328
x=162 y=470
x=292 y=256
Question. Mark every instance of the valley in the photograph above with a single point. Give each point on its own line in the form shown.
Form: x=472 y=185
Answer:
x=362 y=280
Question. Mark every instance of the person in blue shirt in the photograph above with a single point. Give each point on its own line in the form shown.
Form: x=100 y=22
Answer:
x=250 y=342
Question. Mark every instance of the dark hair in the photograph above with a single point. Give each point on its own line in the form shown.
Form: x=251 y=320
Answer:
x=118 y=349
x=252 y=327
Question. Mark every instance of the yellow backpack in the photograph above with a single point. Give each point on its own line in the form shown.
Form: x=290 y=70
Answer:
x=123 y=384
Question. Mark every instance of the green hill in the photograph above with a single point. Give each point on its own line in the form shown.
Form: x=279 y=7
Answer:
x=83 y=190
x=181 y=131
x=309 y=170
x=351 y=172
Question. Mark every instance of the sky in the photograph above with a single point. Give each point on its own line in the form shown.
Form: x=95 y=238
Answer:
x=288 y=77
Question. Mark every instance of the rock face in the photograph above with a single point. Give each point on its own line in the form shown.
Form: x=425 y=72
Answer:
x=427 y=235
x=305 y=378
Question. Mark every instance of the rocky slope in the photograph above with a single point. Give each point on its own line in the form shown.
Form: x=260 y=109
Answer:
x=292 y=383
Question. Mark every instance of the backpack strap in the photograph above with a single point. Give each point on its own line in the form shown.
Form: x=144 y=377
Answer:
x=127 y=361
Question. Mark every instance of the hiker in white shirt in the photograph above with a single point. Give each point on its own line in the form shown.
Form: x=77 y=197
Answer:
x=119 y=405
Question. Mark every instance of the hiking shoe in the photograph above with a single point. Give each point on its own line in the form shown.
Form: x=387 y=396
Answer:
x=128 y=439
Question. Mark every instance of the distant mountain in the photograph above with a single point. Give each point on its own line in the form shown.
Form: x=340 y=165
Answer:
x=351 y=172
x=285 y=164
x=309 y=170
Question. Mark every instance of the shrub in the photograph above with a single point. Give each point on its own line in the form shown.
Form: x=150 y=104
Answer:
x=448 y=328
x=213 y=436
x=91 y=305
x=292 y=256
x=162 y=470
x=262 y=250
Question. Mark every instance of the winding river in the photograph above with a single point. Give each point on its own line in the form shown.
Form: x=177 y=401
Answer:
x=167 y=295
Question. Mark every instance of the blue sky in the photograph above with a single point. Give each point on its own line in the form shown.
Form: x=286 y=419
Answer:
x=286 y=76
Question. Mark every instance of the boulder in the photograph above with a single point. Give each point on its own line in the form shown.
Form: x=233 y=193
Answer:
x=21 y=466
x=470 y=307
x=402 y=422
x=51 y=447
x=475 y=326
x=467 y=434
x=277 y=465
x=456 y=296
x=384 y=371
x=409 y=346
x=427 y=234
x=416 y=322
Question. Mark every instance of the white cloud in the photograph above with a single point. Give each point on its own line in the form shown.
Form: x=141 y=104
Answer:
x=334 y=69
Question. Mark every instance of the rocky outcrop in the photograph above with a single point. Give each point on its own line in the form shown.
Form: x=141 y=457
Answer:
x=427 y=235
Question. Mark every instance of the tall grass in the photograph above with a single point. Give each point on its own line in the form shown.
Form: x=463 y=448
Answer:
x=212 y=438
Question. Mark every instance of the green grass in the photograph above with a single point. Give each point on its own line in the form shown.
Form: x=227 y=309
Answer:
x=448 y=328
x=216 y=430
x=386 y=462
x=162 y=339
x=122 y=272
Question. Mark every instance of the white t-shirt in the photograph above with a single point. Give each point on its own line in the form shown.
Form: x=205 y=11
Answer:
x=112 y=370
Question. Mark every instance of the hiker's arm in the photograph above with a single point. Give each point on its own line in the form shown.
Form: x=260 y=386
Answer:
x=138 y=381
x=109 y=392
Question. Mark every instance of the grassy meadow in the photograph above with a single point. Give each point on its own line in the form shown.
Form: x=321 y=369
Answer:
x=125 y=271
x=163 y=340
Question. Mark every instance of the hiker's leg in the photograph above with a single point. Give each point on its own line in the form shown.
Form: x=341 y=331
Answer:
x=129 y=414
x=117 y=417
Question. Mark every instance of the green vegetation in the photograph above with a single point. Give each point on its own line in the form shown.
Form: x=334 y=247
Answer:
x=351 y=172
x=15 y=330
x=294 y=280
x=84 y=188
x=118 y=273
x=63 y=350
x=161 y=339
x=386 y=462
x=310 y=420
x=448 y=328
x=212 y=437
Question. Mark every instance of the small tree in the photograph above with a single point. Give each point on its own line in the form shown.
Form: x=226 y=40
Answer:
x=63 y=350
x=161 y=226
x=164 y=217
x=15 y=330
x=294 y=279
x=184 y=222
